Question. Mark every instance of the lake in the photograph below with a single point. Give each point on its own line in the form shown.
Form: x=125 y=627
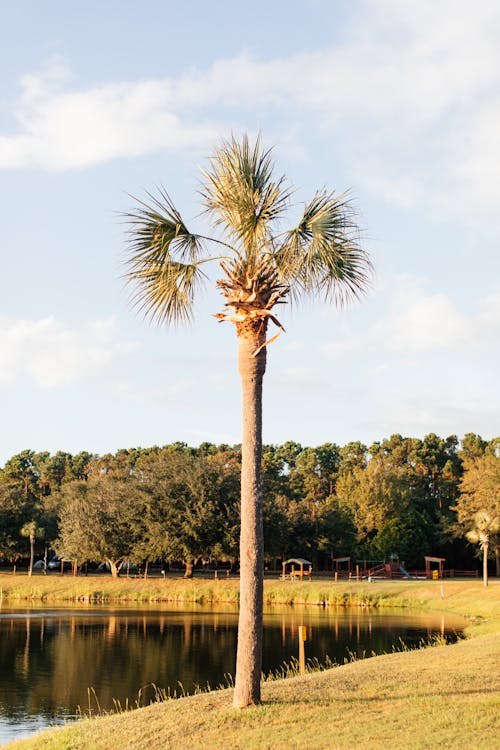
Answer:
x=54 y=660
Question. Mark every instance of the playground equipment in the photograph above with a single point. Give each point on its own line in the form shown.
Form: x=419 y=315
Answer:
x=343 y=566
x=405 y=572
x=436 y=572
x=289 y=571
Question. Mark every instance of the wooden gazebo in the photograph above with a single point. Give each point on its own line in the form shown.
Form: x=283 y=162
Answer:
x=303 y=570
x=339 y=562
x=439 y=570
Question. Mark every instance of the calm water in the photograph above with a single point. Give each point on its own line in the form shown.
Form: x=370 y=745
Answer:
x=50 y=657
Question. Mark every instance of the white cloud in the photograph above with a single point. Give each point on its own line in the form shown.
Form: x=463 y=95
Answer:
x=428 y=322
x=64 y=129
x=417 y=321
x=410 y=93
x=53 y=354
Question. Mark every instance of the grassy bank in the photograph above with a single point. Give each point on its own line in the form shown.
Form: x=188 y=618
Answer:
x=445 y=696
x=56 y=589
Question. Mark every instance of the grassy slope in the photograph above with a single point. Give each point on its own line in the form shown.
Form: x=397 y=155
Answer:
x=436 y=697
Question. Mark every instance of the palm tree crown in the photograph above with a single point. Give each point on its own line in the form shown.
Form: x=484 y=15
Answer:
x=261 y=264
x=485 y=526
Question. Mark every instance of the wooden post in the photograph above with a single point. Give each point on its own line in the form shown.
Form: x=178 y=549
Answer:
x=357 y=572
x=336 y=576
x=302 y=649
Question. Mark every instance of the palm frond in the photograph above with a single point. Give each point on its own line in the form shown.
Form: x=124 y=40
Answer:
x=165 y=292
x=157 y=230
x=323 y=252
x=163 y=260
x=241 y=194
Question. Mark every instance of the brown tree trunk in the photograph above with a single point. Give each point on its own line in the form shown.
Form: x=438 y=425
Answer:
x=485 y=563
x=188 y=573
x=32 y=553
x=113 y=568
x=497 y=561
x=249 y=653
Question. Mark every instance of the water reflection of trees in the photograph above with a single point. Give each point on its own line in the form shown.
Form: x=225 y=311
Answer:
x=49 y=661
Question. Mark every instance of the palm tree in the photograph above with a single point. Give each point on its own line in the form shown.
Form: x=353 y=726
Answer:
x=32 y=530
x=485 y=526
x=261 y=267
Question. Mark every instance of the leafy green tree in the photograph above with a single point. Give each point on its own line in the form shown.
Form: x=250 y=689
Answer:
x=191 y=507
x=82 y=464
x=473 y=446
x=335 y=532
x=261 y=266
x=12 y=501
x=22 y=467
x=352 y=456
x=437 y=463
x=101 y=519
x=53 y=471
x=384 y=501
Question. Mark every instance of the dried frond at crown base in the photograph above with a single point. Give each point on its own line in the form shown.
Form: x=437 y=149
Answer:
x=250 y=296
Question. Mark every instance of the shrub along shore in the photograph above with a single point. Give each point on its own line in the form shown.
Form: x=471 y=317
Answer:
x=444 y=696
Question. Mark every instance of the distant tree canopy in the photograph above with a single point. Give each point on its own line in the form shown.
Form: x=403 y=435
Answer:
x=177 y=503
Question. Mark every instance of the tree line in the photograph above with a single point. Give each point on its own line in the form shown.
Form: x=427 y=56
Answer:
x=176 y=503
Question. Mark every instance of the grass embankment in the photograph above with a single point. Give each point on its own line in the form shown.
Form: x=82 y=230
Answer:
x=445 y=696
x=57 y=589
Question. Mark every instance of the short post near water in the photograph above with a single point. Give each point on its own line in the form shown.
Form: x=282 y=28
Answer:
x=302 y=648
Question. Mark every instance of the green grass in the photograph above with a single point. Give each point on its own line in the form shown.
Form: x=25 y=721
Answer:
x=439 y=697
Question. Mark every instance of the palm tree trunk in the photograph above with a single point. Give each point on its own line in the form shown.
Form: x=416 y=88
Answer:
x=32 y=553
x=485 y=563
x=249 y=653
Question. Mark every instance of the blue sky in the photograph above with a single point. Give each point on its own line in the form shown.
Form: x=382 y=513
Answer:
x=398 y=102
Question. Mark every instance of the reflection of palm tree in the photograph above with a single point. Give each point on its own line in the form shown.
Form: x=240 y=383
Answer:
x=484 y=527
x=261 y=267
x=26 y=654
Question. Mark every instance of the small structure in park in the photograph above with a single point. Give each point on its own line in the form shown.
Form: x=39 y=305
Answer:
x=436 y=572
x=343 y=566
x=296 y=567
